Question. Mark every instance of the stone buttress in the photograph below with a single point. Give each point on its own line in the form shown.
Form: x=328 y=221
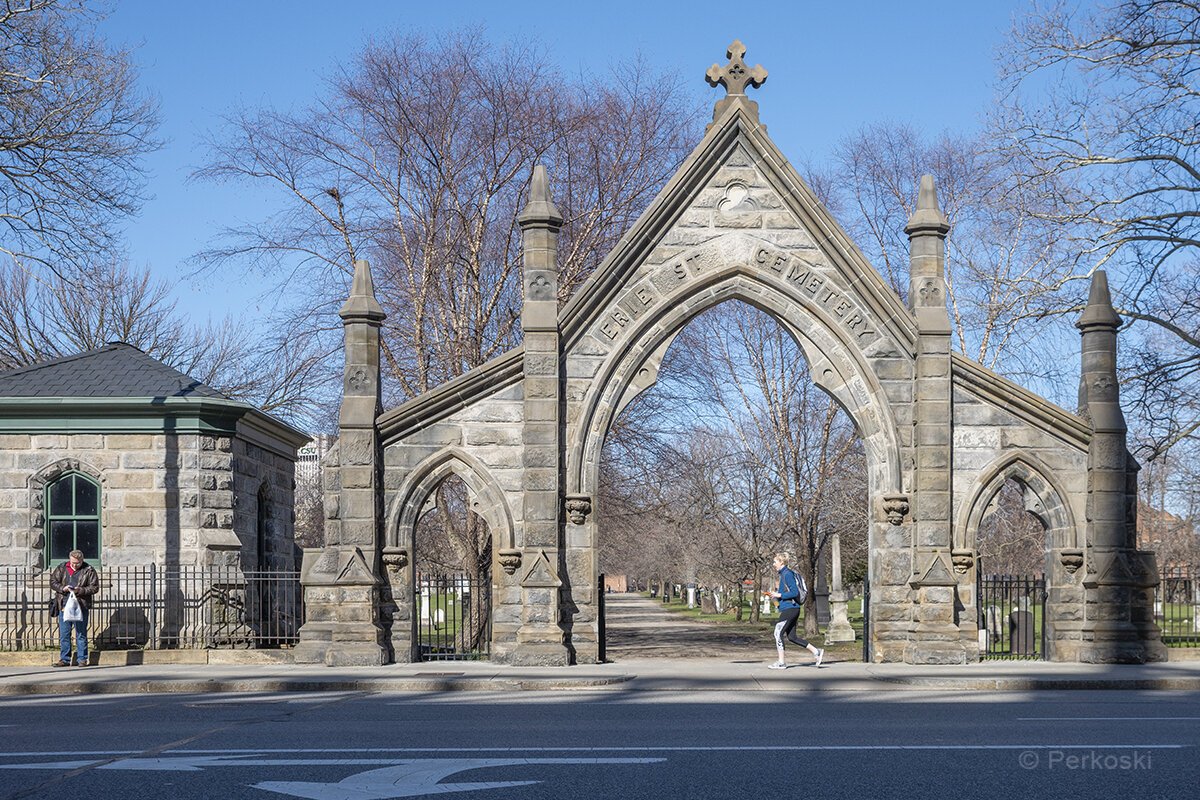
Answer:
x=934 y=636
x=341 y=581
x=1119 y=581
x=540 y=638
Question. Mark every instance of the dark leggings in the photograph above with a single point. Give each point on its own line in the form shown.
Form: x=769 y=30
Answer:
x=786 y=626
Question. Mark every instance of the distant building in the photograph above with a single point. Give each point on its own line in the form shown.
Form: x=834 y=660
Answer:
x=615 y=583
x=308 y=463
x=117 y=454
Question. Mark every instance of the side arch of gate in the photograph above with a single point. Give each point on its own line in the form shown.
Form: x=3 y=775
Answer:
x=837 y=365
x=1047 y=500
x=485 y=498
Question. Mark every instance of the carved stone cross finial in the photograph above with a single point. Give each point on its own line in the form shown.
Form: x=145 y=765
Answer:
x=735 y=75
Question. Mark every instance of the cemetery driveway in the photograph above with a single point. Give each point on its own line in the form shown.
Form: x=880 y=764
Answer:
x=639 y=627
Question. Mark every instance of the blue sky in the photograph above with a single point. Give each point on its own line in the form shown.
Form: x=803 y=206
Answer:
x=834 y=66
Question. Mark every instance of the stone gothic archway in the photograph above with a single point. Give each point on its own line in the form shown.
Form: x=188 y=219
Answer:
x=736 y=221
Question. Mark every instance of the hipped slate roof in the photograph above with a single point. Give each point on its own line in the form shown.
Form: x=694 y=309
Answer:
x=115 y=370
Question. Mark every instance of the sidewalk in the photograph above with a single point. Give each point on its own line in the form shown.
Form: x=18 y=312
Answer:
x=650 y=650
x=646 y=675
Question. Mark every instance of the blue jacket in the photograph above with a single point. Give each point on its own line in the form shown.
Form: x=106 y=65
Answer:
x=791 y=589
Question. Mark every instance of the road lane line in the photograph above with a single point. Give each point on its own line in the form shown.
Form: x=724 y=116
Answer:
x=1103 y=719
x=114 y=755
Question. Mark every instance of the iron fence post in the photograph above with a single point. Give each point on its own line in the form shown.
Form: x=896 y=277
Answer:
x=153 y=641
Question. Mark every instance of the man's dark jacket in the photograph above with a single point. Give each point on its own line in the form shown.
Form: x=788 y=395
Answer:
x=86 y=583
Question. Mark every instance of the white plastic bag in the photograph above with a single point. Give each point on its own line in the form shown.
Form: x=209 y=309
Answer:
x=72 y=611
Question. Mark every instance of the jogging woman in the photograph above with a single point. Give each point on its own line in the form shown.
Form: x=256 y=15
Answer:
x=790 y=595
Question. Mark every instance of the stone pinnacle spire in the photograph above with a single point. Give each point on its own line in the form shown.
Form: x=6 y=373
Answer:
x=1099 y=390
x=928 y=216
x=927 y=229
x=540 y=209
x=362 y=305
x=1099 y=310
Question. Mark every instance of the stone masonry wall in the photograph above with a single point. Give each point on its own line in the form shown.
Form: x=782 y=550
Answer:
x=253 y=468
x=490 y=432
x=164 y=499
x=139 y=475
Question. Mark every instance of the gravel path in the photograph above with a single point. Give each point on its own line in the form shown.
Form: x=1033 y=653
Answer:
x=638 y=627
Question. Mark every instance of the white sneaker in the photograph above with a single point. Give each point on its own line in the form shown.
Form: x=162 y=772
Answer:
x=820 y=657
x=777 y=665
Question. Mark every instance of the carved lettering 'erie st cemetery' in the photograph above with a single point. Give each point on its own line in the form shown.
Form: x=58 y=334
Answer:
x=762 y=258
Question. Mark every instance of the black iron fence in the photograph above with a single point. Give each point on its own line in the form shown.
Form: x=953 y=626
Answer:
x=454 y=617
x=1177 y=606
x=160 y=608
x=1012 y=616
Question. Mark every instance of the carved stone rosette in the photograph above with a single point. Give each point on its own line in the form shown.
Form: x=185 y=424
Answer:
x=895 y=508
x=510 y=560
x=962 y=560
x=394 y=560
x=1071 y=560
x=578 y=507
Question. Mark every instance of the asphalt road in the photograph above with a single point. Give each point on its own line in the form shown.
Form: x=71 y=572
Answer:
x=603 y=744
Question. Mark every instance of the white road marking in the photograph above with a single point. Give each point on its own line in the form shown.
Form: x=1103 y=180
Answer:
x=239 y=757
x=1103 y=719
x=405 y=776
x=421 y=777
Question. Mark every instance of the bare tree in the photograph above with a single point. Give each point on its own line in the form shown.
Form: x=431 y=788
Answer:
x=73 y=129
x=741 y=515
x=747 y=456
x=1006 y=264
x=1103 y=102
x=43 y=319
x=757 y=380
x=1011 y=540
x=418 y=156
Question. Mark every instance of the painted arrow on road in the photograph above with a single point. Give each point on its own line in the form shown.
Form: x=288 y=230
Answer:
x=402 y=777
x=421 y=777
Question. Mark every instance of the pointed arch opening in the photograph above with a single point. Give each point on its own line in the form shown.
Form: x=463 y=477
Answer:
x=450 y=521
x=1016 y=484
x=724 y=451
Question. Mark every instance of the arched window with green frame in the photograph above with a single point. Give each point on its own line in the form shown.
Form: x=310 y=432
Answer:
x=72 y=518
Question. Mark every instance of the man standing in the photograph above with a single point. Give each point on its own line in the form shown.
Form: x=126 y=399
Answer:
x=790 y=594
x=75 y=577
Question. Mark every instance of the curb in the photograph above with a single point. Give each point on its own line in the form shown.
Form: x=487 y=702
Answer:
x=453 y=684
x=627 y=681
x=1046 y=684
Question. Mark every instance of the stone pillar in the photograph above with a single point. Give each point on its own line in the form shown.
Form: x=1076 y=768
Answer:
x=839 y=599
x=540 y=638
x=341 y=581
x=931 y=642
x=1118 y=581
